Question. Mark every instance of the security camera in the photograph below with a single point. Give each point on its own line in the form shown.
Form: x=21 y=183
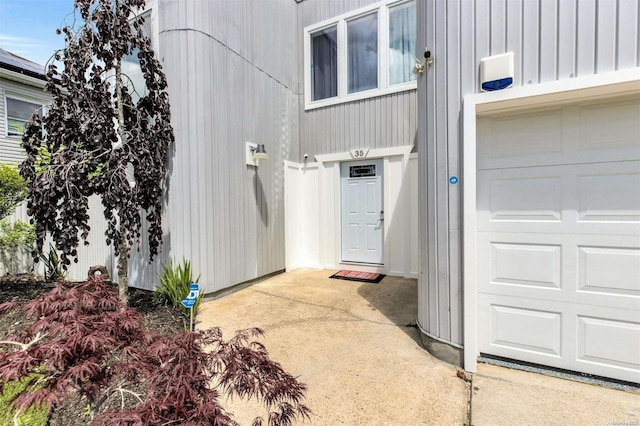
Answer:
x=306 y=157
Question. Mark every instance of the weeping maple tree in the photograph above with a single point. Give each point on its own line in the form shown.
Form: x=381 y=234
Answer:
x=100 y=136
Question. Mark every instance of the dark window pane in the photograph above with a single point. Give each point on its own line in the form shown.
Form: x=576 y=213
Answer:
x=18 y=113
x=21 y=110
x=324 y=64
x=362 y=53
x=362 y=171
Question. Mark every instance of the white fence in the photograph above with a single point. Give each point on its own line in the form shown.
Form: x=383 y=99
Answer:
x=96 y=253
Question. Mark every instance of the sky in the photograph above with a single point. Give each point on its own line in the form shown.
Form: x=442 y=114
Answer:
x=28 y=27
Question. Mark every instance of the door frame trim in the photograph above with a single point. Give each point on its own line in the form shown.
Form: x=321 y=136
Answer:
x=405 y=151
x=608 y=85
x=330 y=163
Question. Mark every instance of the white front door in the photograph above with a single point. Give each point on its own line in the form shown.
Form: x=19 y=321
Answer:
x=362 y=212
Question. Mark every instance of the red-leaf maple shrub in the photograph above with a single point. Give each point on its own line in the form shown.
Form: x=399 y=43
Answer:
x=84 y=341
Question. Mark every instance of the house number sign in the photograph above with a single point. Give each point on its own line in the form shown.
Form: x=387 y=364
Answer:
x=360 y=153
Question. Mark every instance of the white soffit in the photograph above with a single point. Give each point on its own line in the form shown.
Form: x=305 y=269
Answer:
x=372 y=153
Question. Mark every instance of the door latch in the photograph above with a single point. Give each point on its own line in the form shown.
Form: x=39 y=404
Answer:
x=380 y=219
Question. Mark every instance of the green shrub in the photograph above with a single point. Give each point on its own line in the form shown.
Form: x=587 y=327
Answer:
x=16 y=244
x=32 y=416
x=13 y=189
x=174 y=285
x=52 y=267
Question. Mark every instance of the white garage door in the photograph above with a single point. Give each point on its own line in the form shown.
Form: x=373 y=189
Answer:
x=558 y=221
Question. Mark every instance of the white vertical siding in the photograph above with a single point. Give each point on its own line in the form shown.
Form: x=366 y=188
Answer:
x=551 y=40
x=387 y=121
x=231 y=69
x=628 y=50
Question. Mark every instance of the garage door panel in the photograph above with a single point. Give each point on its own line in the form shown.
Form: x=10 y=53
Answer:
x=530 y=198
x=615 y=124
x=533 y=135
x=580 y=199
x=520 y=195
x=609 y=270
x=543 y=329
x=526 y=329
x=590 y=133
x=606 y=194
x=600 y=340
x=590 y=339
x=600 y=270
x=534 y=265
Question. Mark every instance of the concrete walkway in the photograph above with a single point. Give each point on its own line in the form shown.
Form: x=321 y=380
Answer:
x=502 y=396
x=353 y=345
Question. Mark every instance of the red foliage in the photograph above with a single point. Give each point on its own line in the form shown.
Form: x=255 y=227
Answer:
x=85 y=340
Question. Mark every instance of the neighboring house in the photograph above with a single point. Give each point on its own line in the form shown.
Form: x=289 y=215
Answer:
x=22 y=94
x=517 y=210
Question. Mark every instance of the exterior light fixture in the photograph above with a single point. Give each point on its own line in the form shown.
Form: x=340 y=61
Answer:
x=254 y=153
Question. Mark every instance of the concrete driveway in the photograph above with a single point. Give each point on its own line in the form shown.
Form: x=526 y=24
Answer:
x=352 y=344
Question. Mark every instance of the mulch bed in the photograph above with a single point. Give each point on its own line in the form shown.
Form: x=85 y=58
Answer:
x=24 y=288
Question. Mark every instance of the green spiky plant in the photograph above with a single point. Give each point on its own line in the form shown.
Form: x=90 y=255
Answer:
x=53 y=271
x=174 y=285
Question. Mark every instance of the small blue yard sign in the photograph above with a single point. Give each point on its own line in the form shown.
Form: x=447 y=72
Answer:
x=190 y=300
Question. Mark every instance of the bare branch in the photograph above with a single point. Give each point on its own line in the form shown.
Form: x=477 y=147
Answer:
x=25 y=346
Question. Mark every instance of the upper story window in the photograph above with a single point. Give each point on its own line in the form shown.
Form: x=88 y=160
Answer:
x=324 y=71
x=365 y=53
x=402 y=43
x=362 y=53
x=18 y=112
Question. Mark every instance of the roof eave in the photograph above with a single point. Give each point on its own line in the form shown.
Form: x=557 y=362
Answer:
x=22 y=76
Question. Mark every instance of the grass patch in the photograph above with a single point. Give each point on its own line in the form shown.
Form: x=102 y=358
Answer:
x=32 y=416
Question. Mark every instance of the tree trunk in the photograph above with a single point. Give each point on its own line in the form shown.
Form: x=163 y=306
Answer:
x=123 y=259
x=123 y=269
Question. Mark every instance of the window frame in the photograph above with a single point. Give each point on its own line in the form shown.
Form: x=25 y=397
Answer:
x=24 y=98
x=340 y=22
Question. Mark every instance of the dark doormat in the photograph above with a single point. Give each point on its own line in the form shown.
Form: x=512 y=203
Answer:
x=364 y=277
